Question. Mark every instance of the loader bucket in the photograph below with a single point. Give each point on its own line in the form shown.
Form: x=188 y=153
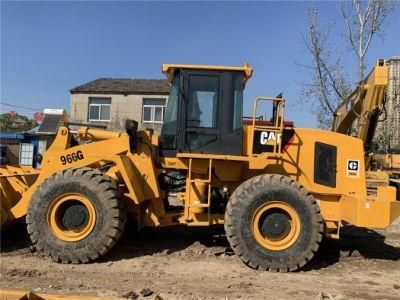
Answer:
x=14 y=181
x=27 y=295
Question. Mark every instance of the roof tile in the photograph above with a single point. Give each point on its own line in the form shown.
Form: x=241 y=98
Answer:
x=124 y=86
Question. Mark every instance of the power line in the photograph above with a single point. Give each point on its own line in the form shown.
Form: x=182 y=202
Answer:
x=23 y=107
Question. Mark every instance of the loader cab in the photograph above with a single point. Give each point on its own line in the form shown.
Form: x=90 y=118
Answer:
x=204 y=110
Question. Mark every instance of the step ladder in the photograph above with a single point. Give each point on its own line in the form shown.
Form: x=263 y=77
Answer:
x=191 y=181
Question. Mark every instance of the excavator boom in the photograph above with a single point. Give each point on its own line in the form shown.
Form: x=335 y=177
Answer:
x=359 y=115
x=364 y=105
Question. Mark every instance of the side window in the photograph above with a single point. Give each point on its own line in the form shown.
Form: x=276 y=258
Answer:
x=99 y=109
x=170 y=127
x=202 y=107
x=237 y=102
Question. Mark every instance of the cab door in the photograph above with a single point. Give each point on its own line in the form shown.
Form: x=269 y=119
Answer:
x=203 y=112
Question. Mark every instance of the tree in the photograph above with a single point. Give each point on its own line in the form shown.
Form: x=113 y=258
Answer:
x=12 y=121
x=329 y=84
x=363 y=21
x=388 y=129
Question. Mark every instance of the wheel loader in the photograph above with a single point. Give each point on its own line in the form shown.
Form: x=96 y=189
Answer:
x=277 y=190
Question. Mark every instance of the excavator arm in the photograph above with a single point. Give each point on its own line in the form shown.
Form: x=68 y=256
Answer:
x=364 y=105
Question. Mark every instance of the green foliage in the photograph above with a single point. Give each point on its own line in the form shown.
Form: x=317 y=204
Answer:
x=395 y=149
x=382 y=144
x=13 y=122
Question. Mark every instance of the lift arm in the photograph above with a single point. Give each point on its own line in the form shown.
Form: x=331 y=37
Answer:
x=365 y=105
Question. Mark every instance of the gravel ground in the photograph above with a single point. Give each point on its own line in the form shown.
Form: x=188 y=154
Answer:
x=190 y=263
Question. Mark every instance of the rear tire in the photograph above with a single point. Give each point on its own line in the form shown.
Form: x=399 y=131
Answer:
x=76 y=215
x=272 y=223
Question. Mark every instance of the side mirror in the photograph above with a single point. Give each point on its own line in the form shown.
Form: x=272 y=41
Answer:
x=131 y=127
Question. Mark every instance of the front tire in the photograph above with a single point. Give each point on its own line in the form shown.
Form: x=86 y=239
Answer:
x=76 y=215
x=272 y=223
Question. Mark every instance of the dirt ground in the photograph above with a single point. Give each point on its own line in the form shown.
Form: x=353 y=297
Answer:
x=192 y=263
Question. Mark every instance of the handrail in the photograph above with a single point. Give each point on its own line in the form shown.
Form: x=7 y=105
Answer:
x=277 y=127
x=84 y=125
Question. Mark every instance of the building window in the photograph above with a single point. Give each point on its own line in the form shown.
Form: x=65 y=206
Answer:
x=99 y=109
x=153 y=110
x=26 y=154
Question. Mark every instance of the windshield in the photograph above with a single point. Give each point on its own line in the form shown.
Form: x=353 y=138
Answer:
x=168 y=133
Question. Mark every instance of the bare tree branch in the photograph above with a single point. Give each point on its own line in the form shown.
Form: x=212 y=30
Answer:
x=329 y=85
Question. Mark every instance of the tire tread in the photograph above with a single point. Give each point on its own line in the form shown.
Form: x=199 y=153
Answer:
x=236 y=204
x=114 y=221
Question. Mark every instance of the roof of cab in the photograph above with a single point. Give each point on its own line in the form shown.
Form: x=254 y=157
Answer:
x=169 y=69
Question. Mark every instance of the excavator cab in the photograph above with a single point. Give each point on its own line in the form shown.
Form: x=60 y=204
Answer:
x=205 y=110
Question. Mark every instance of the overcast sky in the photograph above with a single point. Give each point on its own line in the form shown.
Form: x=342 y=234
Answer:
x=48 y=48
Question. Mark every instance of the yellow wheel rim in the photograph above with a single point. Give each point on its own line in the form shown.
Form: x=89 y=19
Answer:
x=71 y=217
x=276 y=225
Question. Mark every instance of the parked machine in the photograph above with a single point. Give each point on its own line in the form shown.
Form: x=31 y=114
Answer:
x=359 y=115
x=277 y=189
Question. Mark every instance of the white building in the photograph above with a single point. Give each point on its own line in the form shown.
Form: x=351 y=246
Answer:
x=110 y=101
x=390 y=127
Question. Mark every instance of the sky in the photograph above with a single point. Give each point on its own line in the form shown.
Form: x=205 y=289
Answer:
x=47 y=48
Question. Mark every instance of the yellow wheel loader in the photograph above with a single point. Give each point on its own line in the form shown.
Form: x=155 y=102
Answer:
x=277 y=189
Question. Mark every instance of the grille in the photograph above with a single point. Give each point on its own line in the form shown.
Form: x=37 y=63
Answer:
x=325 y=164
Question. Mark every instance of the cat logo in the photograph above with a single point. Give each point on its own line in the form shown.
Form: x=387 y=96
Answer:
x=267 y=137
x=353 y=168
